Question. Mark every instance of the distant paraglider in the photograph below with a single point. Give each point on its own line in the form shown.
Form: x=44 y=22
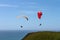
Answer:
x=39 y=14
x=25 y=17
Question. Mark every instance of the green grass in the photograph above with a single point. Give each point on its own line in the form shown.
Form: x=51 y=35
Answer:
x=42 y=36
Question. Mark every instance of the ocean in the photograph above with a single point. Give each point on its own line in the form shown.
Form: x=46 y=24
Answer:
x=13 y=35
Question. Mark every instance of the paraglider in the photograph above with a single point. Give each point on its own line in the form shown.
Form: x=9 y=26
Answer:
x=39 y=14
x=25 y=17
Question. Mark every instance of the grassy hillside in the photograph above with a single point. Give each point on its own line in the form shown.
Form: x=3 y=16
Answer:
x=42 y=36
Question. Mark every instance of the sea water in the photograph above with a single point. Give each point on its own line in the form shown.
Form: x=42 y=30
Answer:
x=12 y=35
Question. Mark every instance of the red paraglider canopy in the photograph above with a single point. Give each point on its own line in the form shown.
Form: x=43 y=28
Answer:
x=39 y=14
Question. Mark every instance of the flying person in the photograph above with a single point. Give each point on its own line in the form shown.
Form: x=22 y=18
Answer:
x=39 y=14
x=25 y=17
x=21 y=26
x=40 y=24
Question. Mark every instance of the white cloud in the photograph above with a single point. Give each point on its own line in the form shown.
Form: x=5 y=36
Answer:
x=7 y=5
x=30 y=3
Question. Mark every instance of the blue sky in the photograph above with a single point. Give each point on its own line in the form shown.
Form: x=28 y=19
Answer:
x=9 y=9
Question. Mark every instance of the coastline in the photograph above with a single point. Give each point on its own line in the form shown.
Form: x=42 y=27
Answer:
x=50 y=35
